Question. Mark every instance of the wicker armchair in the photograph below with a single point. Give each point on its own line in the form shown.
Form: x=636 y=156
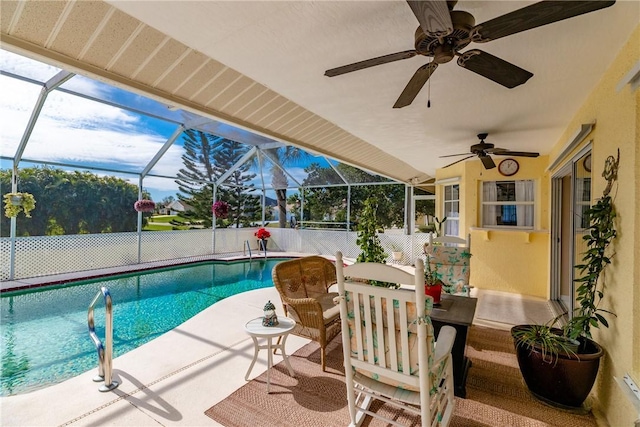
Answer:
x=303 y=286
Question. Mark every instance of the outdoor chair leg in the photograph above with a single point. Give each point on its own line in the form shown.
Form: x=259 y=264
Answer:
x=322 y=361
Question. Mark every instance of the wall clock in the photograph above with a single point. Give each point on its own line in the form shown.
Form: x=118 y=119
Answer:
x=587 y=163
x=508 y=167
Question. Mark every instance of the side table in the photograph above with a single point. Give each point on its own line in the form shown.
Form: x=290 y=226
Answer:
x=255 y=330
x=458 y=312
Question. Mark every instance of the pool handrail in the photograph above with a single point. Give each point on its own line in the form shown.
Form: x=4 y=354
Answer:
x=248 y=246
x=105 y=352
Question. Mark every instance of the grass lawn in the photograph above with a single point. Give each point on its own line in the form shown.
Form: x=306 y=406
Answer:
x=163 y=223
x=166 y=218
x=158 y=227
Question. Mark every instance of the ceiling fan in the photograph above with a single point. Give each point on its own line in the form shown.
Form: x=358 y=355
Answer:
x=483 y=151
x=444 y=32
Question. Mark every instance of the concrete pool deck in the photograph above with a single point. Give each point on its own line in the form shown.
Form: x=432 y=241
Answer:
x=171 y=380
x=175 y=378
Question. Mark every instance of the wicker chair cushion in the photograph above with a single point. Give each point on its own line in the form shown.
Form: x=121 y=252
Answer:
x=330 y=310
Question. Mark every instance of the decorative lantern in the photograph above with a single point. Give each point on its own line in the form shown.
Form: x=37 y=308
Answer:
x=270 y=318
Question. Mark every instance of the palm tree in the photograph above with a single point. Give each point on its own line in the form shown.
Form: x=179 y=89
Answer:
x=281 y=157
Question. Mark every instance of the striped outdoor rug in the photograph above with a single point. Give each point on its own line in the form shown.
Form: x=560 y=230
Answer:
x=496 y=394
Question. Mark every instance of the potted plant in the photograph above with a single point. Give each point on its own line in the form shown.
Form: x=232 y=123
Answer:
x=144 y=205
x=438 y=228
x=432 y=283
x=560 y=365
x=262 y=234
x=220 y=209
x=396 y=252
x=430 y=228
x=14 y=203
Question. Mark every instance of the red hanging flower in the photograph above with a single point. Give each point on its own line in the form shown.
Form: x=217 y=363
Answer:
x=144 y=206
x=220 y=209
x=262 y=233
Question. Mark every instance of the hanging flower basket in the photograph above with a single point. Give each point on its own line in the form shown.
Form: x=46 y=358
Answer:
x=220 y=209
x=14 y=203
x=144 y=206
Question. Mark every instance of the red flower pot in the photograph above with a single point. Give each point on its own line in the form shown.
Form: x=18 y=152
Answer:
x=434 y=291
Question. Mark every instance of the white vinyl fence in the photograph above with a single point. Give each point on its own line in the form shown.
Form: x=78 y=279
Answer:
x=48 y=255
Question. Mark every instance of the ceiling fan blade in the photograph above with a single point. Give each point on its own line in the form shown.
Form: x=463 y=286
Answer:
x=458 y=161
x=371 y=63
x=494 y=68
x=453 y=155
x=433 y=16
x=415 y=84
x=501 y=152
x=487 y=161
x=533 y=16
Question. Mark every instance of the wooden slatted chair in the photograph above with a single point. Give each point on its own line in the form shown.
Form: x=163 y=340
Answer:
x=389 y=349
x=451 y=257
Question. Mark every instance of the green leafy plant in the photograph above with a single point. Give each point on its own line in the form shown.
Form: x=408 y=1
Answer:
x=14 y=203
x=368 y=240
x=601 y=233
x=431 y=276
x=431 y=228
x=546 y=339
x=438 y=228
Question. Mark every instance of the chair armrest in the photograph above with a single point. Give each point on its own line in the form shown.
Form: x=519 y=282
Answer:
x=444 y=344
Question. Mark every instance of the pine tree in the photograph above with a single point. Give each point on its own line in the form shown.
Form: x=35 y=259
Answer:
x=196 y=177
x=206 y=159
x=236 y=190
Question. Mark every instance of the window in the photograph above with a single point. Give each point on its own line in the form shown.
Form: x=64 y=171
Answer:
x=452 y=209
x=583 y=201
x=508 y=204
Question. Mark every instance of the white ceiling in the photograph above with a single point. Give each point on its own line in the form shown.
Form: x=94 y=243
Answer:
x=176 y=51
x=287 y=46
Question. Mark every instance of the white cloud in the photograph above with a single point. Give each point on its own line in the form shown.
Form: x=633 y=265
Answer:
x=26 y=67
x=71 y=129
x=74 y=129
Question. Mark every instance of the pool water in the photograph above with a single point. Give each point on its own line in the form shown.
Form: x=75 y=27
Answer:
x=44 y=333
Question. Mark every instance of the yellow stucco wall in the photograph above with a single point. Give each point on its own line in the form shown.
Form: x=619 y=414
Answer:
x=504 y=260
x=617 y=117
x=514 y=261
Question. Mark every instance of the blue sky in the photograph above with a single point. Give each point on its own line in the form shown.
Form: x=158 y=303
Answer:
x=71 y=129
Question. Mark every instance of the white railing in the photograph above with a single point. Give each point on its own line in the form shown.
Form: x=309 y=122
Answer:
x=48 y=255
x=105 y=351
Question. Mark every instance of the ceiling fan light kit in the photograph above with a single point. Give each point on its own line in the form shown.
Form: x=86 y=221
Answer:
x=444 y=32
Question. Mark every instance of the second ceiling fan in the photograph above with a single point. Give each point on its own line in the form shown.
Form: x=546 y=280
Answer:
x=443 y=32
x=483 y=151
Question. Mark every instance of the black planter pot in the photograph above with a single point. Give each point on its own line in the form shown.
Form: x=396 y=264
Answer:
x=565 y=381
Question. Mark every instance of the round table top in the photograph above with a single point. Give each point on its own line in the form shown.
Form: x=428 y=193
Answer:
x=254 y=327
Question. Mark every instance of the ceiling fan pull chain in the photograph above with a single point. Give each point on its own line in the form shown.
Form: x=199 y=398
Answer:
x=429 y=87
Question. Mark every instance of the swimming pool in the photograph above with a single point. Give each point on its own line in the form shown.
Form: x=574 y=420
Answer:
x=45 y=339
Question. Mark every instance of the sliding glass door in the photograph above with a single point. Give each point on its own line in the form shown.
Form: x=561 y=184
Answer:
x=571 y=197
